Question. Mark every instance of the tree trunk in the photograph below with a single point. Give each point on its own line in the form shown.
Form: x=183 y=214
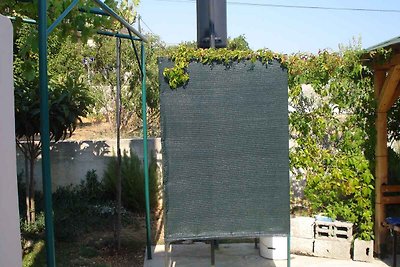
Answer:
x=32 y=213
x=28 y=204
x=119 y=201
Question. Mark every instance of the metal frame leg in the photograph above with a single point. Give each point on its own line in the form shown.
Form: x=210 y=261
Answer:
x=212 y=253
x=394 y=248
x=167 y=251
x=288 y=262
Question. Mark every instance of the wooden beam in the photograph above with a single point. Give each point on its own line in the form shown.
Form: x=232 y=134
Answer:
x=390 y=188
x=390 y=200
x=395 y=60
x=388 y=89
x=381 y=174
x=381 y=158
x=379 y=80
x=396 y=96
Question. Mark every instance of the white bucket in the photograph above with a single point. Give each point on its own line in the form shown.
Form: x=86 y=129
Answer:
x=273 y=247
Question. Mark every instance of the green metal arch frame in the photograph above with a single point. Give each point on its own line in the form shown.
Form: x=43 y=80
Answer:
x=44 y=31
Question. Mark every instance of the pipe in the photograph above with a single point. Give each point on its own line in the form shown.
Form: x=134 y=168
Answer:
x=145 y=154
x=62 y=16
x=45 y=134
x=112 y=13
x=116 y=34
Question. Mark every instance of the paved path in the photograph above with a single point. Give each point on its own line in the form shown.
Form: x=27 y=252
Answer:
x=239 y=255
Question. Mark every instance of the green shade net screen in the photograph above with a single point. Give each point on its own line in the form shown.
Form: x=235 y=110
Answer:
x=225 y=151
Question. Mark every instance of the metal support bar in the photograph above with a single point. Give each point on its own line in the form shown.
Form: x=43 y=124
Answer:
x=117 y=34
x=62 y=16
x=167 y=252
x=45 y=134
x=112 y=13
x=288 y=263
x=93 y=10
x=136 y=53
x=28 y=21
x=145 y=154
x=212 y=253
x=394 y=248
x=119 y=157
x=216 y=243
x=211 y=12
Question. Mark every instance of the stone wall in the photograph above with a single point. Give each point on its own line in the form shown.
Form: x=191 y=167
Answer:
x=70 y=160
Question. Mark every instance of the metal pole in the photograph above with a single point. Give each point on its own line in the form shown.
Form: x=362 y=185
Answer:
x=118 y=124
x=394 y=248
x=112 y=13
x=212 y=253
x=288 y=250
x=212 y=29
x=139 y=26
x=45 y=134
x=119 y=35
x=145 y=155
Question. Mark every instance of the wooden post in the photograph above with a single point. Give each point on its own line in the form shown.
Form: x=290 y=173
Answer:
x=381 y=168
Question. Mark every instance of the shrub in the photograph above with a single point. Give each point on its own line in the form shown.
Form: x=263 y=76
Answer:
x=91 y=187
x=133 y=195
x=34 y=229
x=77 y=209
x=331 y=125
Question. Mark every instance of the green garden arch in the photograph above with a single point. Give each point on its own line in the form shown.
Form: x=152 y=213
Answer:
x=44 y=32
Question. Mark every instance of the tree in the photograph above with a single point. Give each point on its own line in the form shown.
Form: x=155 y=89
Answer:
x=68 y=95
x=101 y=72
x=238 y=43
x=68 y=100
x=76 y=25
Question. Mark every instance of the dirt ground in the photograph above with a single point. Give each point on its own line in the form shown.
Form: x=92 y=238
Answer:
x=93 y=130
x=97 y=249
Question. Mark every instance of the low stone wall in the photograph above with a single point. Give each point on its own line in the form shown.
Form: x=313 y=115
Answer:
x=70 y=160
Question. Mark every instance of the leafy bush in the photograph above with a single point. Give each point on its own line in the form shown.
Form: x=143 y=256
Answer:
x=331 y=125
x=34 y=229
x=91 y=187
x=133 y=195
x=77 y=209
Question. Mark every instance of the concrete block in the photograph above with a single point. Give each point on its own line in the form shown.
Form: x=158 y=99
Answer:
x=332 y=248
x=303 y=246
x=302 y=227
x=363 y=250
x=334 y=230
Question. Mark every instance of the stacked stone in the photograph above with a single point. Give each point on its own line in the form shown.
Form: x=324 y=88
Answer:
x=333 y=239
x=302 y=235
x=321 y=238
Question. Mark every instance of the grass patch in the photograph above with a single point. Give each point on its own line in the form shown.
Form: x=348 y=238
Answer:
x=37 y=257
x=88 y=252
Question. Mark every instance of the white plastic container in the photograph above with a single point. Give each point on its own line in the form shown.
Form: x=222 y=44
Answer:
x=273 y=247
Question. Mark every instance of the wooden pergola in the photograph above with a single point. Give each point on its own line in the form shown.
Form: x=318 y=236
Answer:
x=387 y=91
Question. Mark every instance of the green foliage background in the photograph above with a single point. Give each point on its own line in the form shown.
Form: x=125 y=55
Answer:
x=333 y=135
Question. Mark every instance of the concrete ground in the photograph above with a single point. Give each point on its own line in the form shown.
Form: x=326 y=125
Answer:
x=238 y=255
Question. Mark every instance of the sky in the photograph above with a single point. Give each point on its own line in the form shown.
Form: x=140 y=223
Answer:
x=284 y=30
